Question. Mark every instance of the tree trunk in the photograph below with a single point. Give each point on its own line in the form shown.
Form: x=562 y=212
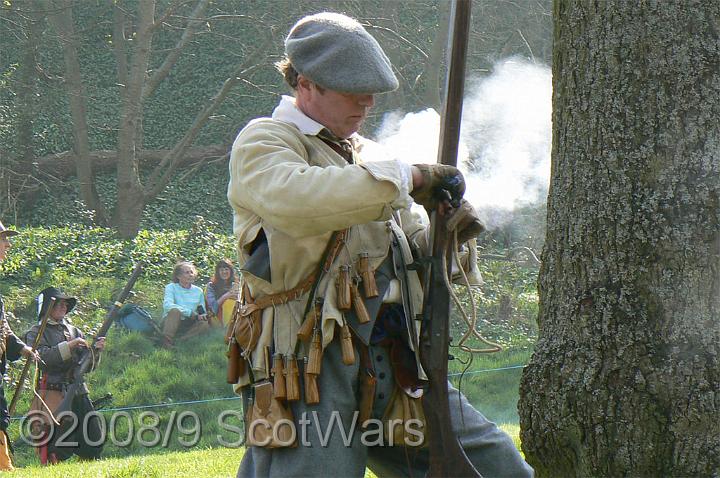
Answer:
x=26 y=92
x=130 y=196
x=625 y=378
x=17 y=184
x=63 y=23
x=62 y=165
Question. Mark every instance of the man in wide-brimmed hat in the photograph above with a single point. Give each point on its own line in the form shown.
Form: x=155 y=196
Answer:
x=325 y=237
x=11 y=348
x=60 y=348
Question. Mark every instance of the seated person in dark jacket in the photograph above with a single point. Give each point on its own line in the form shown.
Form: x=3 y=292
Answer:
x=61 y=348
x=222 y=291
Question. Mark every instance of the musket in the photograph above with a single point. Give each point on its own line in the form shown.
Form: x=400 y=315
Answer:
x=89 y=356
x=447 y=457
x=28 y=362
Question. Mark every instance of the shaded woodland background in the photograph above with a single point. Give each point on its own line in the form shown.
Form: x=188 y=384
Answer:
x=81 y=112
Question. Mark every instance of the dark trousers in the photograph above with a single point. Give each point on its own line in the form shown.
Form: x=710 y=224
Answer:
x=85 y=429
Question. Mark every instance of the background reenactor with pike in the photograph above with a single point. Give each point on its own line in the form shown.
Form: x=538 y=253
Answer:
x=11 y=348
x=328 y=322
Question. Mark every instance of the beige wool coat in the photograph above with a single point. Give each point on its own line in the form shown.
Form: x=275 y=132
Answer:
x=298 y=190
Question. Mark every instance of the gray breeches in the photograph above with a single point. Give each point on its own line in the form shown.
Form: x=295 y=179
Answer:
x=326 y=450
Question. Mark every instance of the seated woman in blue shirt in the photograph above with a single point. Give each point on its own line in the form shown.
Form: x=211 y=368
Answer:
x=184 y=304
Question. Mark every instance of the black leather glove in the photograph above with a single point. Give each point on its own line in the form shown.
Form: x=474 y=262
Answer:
x=466 y=221
x=440 y=182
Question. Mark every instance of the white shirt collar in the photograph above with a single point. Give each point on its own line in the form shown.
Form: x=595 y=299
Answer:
x=288 y=112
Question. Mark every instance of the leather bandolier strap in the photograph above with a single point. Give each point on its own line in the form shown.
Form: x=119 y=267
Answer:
x=305 y=285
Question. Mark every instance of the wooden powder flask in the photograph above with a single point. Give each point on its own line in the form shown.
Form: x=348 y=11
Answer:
x=235 y=361
x=368 y=276
x=314 y=362
x=346 y=345
x=312 y=393
x=278 y=372
x=308 y=325
x=344 y=300
x=358 y=304
x=292 y=379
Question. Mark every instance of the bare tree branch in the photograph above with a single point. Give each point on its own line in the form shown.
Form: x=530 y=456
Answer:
x=120 y=21
x=162 y=174
x=532 y=55
x=398 y=36
x=169 y=12
x=192 y=25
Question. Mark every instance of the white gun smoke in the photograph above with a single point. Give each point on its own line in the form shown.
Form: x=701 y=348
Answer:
x=505 y=138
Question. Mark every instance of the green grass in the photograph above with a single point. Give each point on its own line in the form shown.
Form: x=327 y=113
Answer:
x=494 y=392
x=208 y=463
x=218 y=462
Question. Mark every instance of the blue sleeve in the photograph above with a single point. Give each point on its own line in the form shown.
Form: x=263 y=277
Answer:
x=170 y=302
x=212 y=301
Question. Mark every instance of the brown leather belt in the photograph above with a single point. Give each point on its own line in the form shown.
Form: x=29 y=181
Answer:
x=299 y=290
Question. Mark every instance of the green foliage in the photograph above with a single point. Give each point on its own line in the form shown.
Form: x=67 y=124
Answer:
x=506 y=305
x=191 y=193
x=230 y=35
x=45 y=256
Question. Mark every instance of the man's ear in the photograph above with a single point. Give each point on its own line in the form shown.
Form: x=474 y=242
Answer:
x=303 y=83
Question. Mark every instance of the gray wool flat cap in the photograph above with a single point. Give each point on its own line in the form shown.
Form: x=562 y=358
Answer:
x=336 y=52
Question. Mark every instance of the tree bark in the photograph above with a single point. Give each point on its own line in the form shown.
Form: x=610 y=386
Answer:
x=625 y=377
x=26 y=91
x=63 y=23
x=130 y=197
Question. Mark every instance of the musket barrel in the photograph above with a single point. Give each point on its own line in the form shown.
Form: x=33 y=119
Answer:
x=446 y=455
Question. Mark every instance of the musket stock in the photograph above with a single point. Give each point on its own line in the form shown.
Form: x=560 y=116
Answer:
x=447 y=457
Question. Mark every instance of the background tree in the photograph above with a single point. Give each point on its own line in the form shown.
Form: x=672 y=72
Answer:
x=625 y=377
x=132 y=42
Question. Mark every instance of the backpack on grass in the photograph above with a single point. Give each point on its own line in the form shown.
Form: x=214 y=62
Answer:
x=134 y=318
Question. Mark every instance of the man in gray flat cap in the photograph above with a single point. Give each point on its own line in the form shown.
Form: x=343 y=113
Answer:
x=324 y=349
